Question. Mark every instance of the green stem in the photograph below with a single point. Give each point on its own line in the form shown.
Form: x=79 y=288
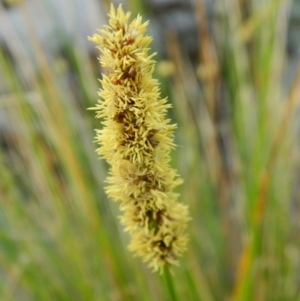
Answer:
x=169 y=284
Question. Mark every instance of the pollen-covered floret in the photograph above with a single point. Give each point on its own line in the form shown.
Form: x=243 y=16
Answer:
x=136 y=141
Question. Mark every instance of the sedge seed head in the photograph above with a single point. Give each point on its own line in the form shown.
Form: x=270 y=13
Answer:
x=136 y=140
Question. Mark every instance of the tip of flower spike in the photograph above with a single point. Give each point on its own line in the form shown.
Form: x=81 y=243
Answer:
x=112 y=12
x=120 y=12
x=93 y=109
x=117 y=16
x=93 y=39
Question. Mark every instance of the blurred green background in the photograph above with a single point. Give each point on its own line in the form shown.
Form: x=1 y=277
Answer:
x=230 y=69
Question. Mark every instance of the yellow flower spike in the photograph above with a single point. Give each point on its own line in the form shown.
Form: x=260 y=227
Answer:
x=136 y=141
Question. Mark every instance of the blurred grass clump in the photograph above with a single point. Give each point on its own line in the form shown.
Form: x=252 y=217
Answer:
x=236 y=108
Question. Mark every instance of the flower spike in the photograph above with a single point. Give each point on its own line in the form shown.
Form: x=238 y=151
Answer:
x=136 y=141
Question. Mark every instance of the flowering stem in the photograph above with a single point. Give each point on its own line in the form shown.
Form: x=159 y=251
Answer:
x=169 y=283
